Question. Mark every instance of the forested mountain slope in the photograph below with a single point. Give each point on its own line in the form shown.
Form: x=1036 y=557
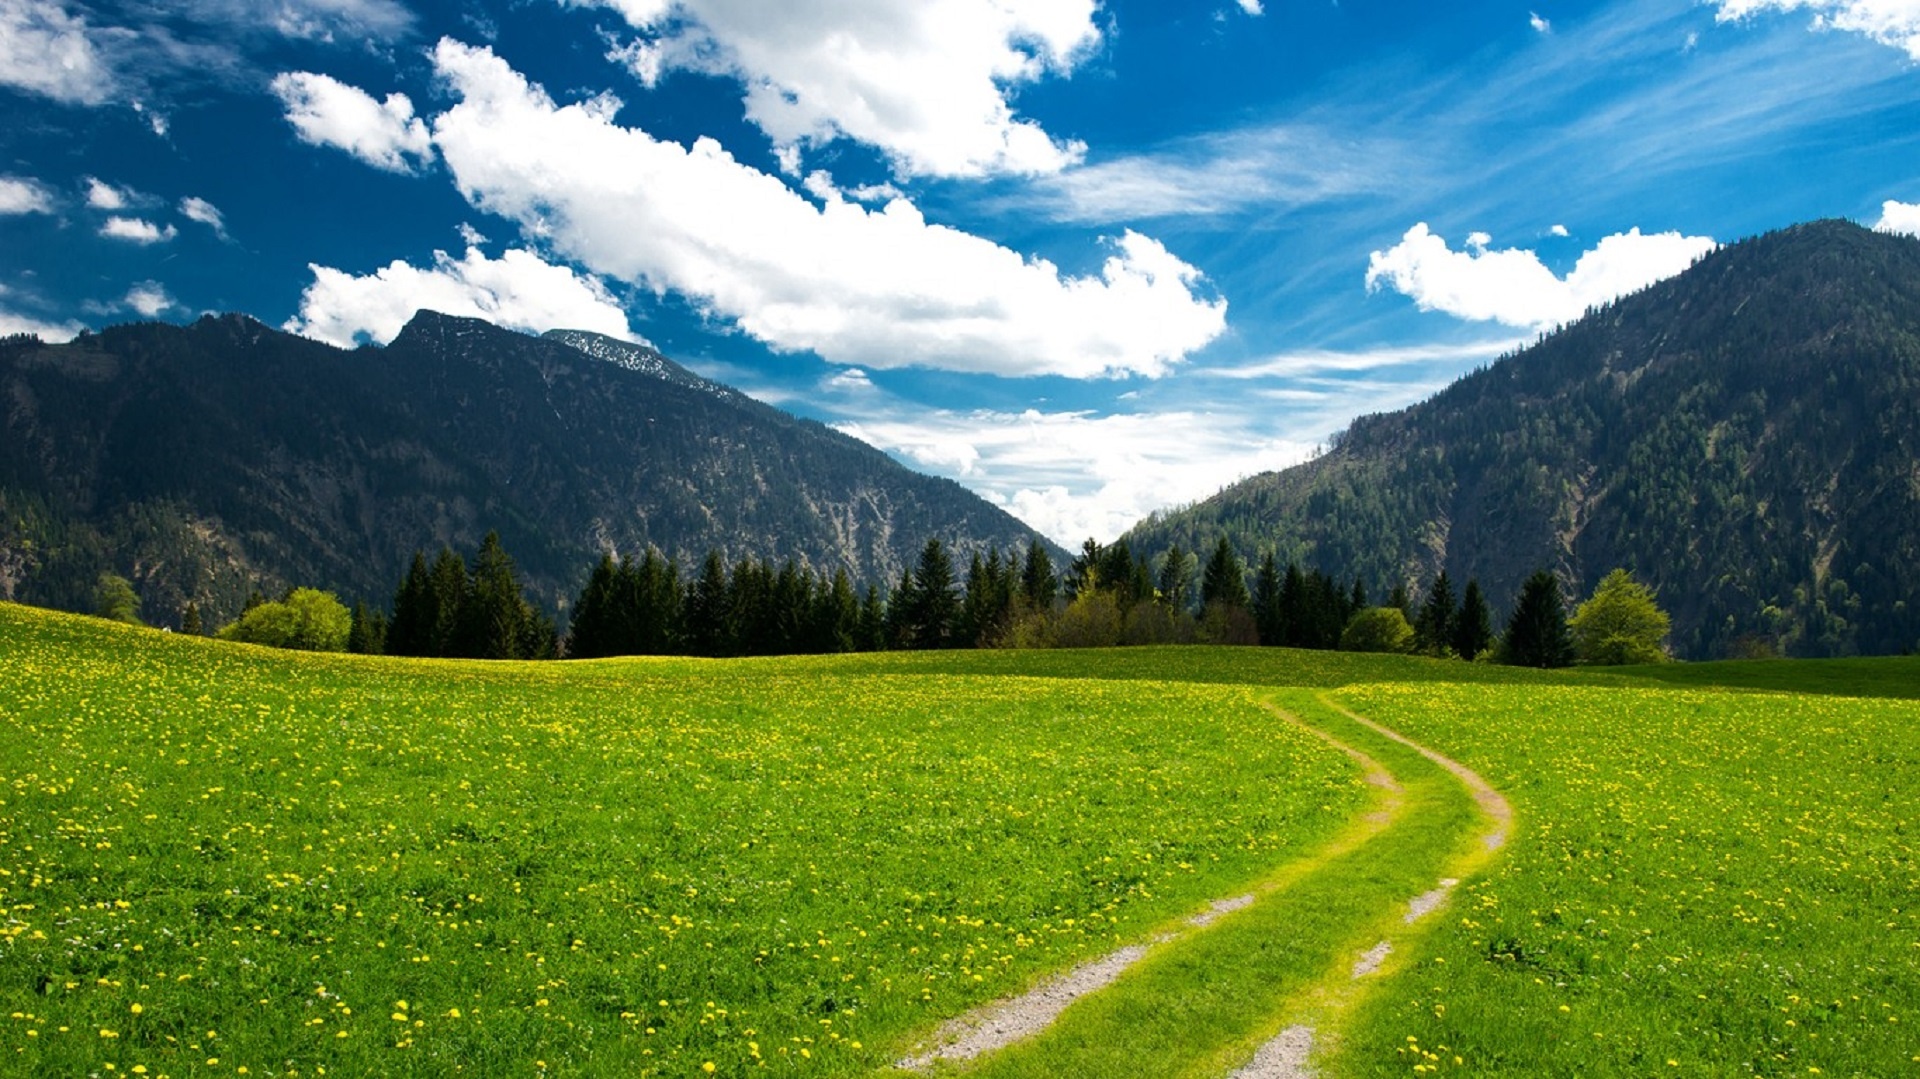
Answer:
x=1743 y=436
x=207 y=460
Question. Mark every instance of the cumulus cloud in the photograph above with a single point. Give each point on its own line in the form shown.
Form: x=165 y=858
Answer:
x=46 y=51
x=327 y=112
x=198 y=209
x=104 y=196
x=1539 y=23
x=137 y=230
x=149 y=299
x=1559 y=230
x=1513 y=286
x=925 y=82
x=1890 y=22
x=1901 y=217
x=879 y=288
x=1072 y=475
x=1251 y=7
x=519 y=291
x=18 y=196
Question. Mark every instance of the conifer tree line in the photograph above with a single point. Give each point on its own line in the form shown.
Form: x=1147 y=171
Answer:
x=476 y=608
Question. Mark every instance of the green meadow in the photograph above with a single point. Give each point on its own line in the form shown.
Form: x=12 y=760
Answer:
x=223 y=860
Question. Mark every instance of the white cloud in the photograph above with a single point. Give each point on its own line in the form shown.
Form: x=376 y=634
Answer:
x=1539 y=23
x=137 y=230
x=1901 y=217
x=53 y=332
x=149 y=299
x=925 y=82
x=1072 y=475
x=18 y=196
x=194 y=208
x=46 y=51
x=1272 y=168
x=1251 y=7
x=1559 y=230
x=879 y=288
x=471 y=236
x=1513 y=286
x=327 y=112
x=1322 y=361
x=1890 y=22
x=519 y=291
x=104 y=196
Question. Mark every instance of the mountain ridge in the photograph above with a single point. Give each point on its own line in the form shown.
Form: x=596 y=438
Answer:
x=1742 y=435
x=206 y=460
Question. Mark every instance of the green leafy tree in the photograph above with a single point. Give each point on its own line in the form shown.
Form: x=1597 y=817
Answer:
x=1473 y=627
x=308 y=620
x=115 y=600
x=1377 y=629
x=1620 y=623
x=1537 y=631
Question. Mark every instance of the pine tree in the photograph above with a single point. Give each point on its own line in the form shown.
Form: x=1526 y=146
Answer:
x=591 y=635
x=414 y=612
x=190 y=620
x=1225 y=582
x=1037 y=580
x=1473 y=627
x=658 y=603
x=871 y=634
x=1399 y=600
x=706 y=608
x=977 y=611
x=492 y=616
x=1295 y=617
x=1175 y=584
x=935 y=608
x=1357 y=599
x=367 y=631
x=1537 y=631
x=1433 y=629
x=447 y=591
x=1268 y=618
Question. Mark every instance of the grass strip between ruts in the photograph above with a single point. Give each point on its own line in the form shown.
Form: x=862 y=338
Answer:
x=1201 y=1003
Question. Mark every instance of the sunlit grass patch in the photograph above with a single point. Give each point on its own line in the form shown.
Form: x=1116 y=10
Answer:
x=1707 y=884
x=287 y=862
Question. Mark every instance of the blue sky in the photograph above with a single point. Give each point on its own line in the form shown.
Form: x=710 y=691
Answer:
x=1091 y=259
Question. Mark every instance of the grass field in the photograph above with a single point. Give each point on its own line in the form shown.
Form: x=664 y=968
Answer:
x=287 y=863
x=218 y=860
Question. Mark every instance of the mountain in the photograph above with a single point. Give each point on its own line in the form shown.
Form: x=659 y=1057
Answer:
x=1742 y=436
x=208 y=460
